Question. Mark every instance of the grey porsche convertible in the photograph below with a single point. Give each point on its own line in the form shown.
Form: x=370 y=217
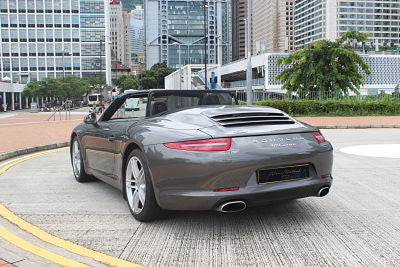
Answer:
x=199 y=150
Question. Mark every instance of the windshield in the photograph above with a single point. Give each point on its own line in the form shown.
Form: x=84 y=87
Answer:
x=93 y=98
x=169 y=101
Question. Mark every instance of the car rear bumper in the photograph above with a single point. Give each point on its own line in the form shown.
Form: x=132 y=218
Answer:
x=253 y=195
x=186 y=180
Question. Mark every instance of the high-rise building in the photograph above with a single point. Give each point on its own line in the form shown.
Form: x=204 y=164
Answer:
x=175 y=31
x=120 y=33
x=330 y=19
x=272 y=26
x=137 y=33
x=239 y=15
x=54 y=38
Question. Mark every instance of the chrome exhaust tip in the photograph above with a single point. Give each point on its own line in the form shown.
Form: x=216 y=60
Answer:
x=323 y=191
x=232 y=206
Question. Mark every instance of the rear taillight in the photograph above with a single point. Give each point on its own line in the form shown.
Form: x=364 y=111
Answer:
x=221 y=144
x=319 y=137
x=227 y=189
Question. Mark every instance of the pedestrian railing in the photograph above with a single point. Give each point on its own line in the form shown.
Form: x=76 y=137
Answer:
x=65 y=108
x=259 y=95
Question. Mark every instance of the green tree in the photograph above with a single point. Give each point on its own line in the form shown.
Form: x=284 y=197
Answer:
x=127 y=82
x=98 y=85
x=396 y=92
x=73 y=86
x=331 y=66
x=70 y=86
x=154 y=78
x=148 y=81
x=32 y=89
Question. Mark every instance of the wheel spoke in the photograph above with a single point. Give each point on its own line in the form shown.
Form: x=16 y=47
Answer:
x=76 y=158
x=135 y=203
x=142 y=196
x=135 y=168
x=140 y=178
x=131 y=186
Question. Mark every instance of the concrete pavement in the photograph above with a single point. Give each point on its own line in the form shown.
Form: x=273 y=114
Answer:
x=357 y=224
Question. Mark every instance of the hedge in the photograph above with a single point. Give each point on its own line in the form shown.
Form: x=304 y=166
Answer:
x=335 y=107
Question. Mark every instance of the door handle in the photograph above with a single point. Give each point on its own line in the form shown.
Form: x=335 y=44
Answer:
x=111 y=138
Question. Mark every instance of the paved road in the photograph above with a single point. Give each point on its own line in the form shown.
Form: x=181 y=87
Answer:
x=357 y=224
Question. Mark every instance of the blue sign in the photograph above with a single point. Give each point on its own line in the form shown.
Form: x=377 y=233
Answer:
x=212 y=80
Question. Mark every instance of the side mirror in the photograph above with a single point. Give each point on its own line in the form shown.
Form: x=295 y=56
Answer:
x=90 y=119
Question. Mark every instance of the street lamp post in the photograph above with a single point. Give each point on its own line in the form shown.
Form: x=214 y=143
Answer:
x=249 y=72
x=205 y=44
x=220 y=43
x=100 y=59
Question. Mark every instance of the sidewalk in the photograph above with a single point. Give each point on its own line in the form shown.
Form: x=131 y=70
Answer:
x=351 y=121
x=8 y=259
x=28 y=130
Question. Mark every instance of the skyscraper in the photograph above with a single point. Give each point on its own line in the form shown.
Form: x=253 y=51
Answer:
x=239 y=14
x=329 y=19
x=41 y=38
x=137 y=32
x=272 y=26
x=175 y=32
x=120 y=34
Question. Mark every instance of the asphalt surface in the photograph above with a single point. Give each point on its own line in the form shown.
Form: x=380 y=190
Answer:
x=357 y=224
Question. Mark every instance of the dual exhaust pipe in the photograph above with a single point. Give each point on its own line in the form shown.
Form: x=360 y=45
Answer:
x=323 y=191
x=239 y=205
x=232 y=206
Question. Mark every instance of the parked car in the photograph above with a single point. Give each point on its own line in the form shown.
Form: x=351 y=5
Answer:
x=199 y=150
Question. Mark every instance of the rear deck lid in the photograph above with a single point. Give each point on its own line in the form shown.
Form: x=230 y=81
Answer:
x=245 y=121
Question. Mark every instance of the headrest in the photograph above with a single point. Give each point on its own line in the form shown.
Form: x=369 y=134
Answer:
x=158 y=107
x=211 y=100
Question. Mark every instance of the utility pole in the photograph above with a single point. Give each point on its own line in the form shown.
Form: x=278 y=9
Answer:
x=100 y=59
x=205 y=44
x=249 y=72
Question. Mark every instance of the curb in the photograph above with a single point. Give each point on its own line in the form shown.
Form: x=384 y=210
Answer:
x=357 y=126
x=24 y=151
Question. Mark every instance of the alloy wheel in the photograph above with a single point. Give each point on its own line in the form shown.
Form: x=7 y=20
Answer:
x=135 y=185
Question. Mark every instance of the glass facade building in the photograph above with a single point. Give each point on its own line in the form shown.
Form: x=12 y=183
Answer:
x=137 y=33
x=53 y=38
x=329 y=19
x=175 y=31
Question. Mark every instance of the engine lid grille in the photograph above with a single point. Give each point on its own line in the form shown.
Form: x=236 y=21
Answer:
x=253 y=118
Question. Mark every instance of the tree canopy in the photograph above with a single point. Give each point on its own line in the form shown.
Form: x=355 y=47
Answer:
x=148 y=79
x=127 y=82
x=331 y=66
x=69 y=86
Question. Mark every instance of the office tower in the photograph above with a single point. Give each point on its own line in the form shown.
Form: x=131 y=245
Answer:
x=239 y=15
x=120 y=34
x=175 y=31
x=272 y=26
x=137 y=34
x=41 y=38
x=329 y=19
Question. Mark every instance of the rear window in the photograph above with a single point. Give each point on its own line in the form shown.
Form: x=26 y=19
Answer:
x=168 y=101
x=92 y=98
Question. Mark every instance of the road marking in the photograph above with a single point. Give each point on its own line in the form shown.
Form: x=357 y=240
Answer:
x=24 y=158
x=377 y=151
x=39 y=233
x=21 y=243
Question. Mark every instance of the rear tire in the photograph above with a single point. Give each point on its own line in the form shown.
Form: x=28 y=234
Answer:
x=138 y=188
x=77 y=163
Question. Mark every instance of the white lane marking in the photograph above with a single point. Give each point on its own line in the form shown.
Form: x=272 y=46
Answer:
x=377 y=151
